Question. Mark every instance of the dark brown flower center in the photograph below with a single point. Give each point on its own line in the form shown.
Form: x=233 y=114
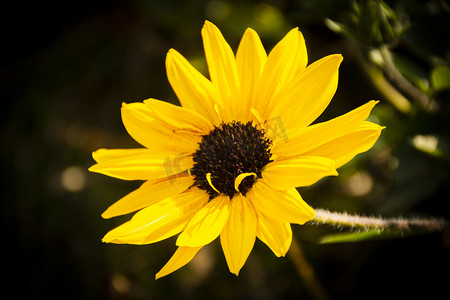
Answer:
x=226 y=152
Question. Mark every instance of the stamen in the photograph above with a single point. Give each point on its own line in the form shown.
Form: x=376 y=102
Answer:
x=241 y=177
x=230 y=153
x=208 y=178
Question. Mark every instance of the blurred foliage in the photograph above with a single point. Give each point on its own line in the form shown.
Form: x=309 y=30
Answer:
x=64 y=76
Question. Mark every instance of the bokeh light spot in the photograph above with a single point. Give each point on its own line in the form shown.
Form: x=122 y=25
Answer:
x=73 y=179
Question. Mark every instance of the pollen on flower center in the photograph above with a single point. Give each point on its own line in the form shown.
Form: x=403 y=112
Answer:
x=227 y=151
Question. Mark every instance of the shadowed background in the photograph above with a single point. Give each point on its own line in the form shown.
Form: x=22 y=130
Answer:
x=66 y=69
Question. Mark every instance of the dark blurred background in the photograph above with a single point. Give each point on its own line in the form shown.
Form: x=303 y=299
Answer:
x=68 y=66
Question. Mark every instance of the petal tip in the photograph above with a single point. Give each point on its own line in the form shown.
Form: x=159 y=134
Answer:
x=171 y=53
x=249 y=30
x=337 y=58
x=208 y=23
x=106 y=215
x=95 y=155
x=372 y=103
x=94 y=168
x=334 y=173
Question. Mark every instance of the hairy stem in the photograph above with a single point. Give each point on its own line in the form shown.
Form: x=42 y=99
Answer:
x=355 y=221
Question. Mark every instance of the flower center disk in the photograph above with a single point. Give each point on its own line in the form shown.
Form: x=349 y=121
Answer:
x=227 y=151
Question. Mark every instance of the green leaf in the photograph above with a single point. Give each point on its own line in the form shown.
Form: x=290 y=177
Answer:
x=440 y=78
x=349 y=237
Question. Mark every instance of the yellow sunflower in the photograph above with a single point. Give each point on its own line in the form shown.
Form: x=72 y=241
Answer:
x=227 y=162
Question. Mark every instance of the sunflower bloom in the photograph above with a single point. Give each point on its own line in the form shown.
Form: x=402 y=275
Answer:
x=227 y=162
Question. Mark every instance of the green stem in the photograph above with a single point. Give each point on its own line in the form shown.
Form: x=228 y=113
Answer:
x=390 y=93
x=427 y=103
x=306 y=271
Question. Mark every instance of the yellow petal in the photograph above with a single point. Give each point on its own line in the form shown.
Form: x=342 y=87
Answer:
x=305 y=97
x=239 y=234
x=155 y=134
x=222 y=68
x=139 y=164
x=105 y=155
x=250 y=59
x=192 y=89
x=207 y=223
x=297 y=172
x=281 y=65
x=344 y=148
x=302 y=53
x=318 y=134
x=181 y=257
x=282 y=206
x=160 y=220
x=276 y=235
x=150 y=192
x=178 y=117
